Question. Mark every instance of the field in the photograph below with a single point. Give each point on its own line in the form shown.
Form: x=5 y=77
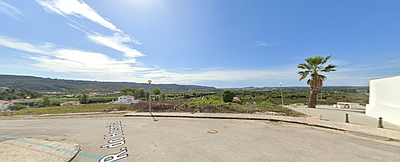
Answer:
x=191 y=106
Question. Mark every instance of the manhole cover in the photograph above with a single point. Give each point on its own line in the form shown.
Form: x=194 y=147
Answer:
x=212 y=131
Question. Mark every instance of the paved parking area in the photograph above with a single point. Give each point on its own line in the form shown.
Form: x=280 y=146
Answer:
x=356 y=116
x=177 y=139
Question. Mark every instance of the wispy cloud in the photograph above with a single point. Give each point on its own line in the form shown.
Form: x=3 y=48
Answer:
x=261 y=43
x=10 y=11
x=78 y=9
x=18 y=45
x=97 y=66
x=117 y=42
x=51 y=58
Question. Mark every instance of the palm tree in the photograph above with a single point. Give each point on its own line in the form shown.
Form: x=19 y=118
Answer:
x=314 y=67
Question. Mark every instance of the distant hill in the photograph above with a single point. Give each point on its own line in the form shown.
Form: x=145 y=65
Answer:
x=62 y=85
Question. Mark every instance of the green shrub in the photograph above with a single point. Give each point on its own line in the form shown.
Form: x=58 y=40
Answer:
x=16 y=107
x=185 y=105
x=227 y=95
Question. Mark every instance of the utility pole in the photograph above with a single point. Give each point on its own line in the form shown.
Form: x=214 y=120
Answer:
x=149 y=81
x=281 y=92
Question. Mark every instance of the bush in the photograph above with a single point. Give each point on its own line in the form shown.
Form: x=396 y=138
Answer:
x=16 y=107
x=227 y=95
x=185 y=105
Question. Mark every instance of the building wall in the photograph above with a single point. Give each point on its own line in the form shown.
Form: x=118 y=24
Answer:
x=384 y=99
x=126 y=100
x=4 y=106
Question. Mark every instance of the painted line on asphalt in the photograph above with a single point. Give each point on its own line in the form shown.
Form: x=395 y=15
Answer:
x=55 y=148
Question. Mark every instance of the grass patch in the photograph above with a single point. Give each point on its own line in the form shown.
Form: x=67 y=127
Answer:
x=66 y=109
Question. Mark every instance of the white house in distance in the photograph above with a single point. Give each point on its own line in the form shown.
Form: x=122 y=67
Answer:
x=126 y=100
x=384 y=99
x=4 y=105
x=69 y=103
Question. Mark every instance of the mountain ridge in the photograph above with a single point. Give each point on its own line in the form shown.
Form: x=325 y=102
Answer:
x=35 y=83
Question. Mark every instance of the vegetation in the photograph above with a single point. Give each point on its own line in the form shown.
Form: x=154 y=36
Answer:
x=66 y=109
x=12 y=94
x=210 y=106
x=80 y=86
x=267 y=100
x=46 y=101
x=156 y=91
x=227 y=95
x=313 y=68
x=16 y=107
x=129 y=91
x=83 y=99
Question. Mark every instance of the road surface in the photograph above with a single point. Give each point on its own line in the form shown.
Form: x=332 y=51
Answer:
x=177 y=139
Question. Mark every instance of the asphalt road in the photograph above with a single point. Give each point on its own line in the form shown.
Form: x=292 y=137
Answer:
x=173 y=139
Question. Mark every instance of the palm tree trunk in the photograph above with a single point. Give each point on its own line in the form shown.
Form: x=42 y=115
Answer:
x=312 y=101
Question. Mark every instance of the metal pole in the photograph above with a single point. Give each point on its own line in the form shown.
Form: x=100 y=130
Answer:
x=281 y=93
x=149 y=99
x=380 y=123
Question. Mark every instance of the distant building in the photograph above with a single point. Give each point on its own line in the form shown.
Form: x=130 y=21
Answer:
x=236 y=99
x=297 y=104
x=96 y=94
x=4 y=105
x=70 y=103
x=384 y=99
x=138 y=101
x=3 y=88
x=126 y=100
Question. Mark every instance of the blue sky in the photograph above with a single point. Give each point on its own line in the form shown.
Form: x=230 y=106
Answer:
x=221 y=43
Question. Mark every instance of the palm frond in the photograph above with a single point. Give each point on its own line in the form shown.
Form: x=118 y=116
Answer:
x=329 y=68
x=303 y=66
x=303 y=74
x=326 y=59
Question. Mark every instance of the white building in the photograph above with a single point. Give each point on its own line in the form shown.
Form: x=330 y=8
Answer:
x=4 y=105
x=69 y=103
x=126 y=100
x=384 y=99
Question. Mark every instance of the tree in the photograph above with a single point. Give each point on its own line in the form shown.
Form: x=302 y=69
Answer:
x=156 y=91
x=146 y=94
x=124 y=91
x=162 y=96
x=227 y=95
x=46 y=100
x=140 y=92
x=128 y=91
x=272 y=101
x=313 y=67
x=83 y=99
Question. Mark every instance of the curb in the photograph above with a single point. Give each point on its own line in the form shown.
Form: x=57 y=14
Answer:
x=238 y=118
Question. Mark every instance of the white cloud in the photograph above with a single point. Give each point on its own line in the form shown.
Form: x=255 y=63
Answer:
x=98 y=66
x=165 y=76
x=90 y=63
x=117 y=42
x=16 y=44
x=78 y=9
x=50 y=58
x=10 y=10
